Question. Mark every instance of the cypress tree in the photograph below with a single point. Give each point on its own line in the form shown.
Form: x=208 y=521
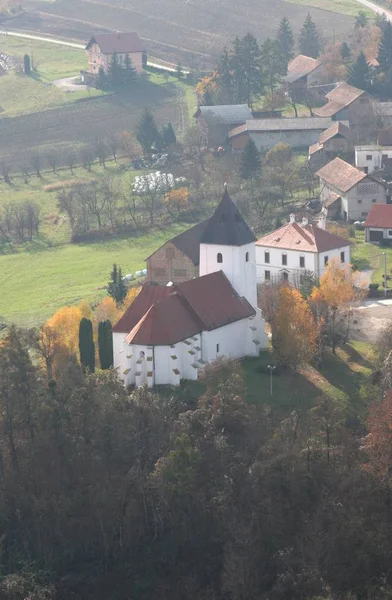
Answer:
x=114 y=70
x=86 y=345
x=121 y=288
x=105 y=344
x=116 y=286
x=360 y=73
x=168 y=135
x=26 y=64
x=361 y=20
x=285 y=40
x=147 y=132
x=345 y=51
x=129 y=71
x=309 y=39
x=250 y=161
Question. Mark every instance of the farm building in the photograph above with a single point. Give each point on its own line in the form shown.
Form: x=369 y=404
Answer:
x=296 y=248
x=303 y=71
x=348 y=193
x=373 y=157
x=217 y=121
x=102 y=46
x=378 y=225
x=335 y=141
x=266 y=133
x=170 y=332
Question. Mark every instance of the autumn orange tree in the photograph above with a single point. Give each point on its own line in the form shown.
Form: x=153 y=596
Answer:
x=333 y=301
x=65 y=322
x=294 y=330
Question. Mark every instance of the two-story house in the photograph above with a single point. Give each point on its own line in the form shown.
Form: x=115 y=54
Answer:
x=335 y=141
x=296 y=248
x=102 y=46
x=348 y=193
x=373 y=157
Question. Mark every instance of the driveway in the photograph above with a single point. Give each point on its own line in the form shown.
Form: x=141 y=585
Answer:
x=377 y=9
x=373 y=317
x=70 y=84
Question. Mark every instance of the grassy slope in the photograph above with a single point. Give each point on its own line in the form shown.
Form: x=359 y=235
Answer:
x=368 y=256
x=20 y=94
x=344 y=7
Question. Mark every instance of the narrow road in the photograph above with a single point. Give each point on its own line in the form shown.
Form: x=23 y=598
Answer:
x=49 y=40
x=376 y=8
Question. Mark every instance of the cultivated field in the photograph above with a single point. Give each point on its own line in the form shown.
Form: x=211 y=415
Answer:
x=196 y=30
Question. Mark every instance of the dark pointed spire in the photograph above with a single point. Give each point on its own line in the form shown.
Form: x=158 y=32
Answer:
x=226 y=227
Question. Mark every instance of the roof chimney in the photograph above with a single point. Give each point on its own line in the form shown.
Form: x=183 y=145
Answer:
x=305 y=222
x=322 y=221
x=292 y=218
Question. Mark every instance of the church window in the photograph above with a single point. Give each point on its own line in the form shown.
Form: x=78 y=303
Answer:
x=302 y=262
x=219 y=258
x=247 y=257
x=284 y=259
x=266 y=257
x=325 y=261
x=217 y=348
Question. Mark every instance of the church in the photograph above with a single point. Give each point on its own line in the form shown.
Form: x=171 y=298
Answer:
x=170 y=332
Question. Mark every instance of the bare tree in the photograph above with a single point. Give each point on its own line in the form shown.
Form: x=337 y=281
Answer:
x=110 y=190
x=67 y=202
x=101 y=151
x=95 y=201
x=70 y=159
x=5 y=171
x=87 y=157
x=52 y=160
x=195 y=143
x=36 y=162
x=24 y=167
x=129 y=144
x=46 y=342
x=112 y=143
x=32 y=216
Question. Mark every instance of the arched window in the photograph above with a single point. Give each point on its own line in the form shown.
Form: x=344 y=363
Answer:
x=219 y=258
x=247 y=257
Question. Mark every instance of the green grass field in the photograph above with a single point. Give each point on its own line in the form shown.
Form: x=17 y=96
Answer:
x=344 y=7
x=370 y=257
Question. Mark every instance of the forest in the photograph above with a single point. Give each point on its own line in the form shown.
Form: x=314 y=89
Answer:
x=188 y=494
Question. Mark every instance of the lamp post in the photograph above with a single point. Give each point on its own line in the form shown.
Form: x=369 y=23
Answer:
x=271 y=369
x=385 y=274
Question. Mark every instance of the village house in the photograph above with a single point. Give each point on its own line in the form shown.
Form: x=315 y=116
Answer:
x=348 y=193
x=334 y=141
x=378 y=225
x=298 y=132
x=297 y=248
x=347 y=103
x=217 y=121
x=170 y=332
x=372 y=157
x=102 y=46
x=177 y=259
x=303 y=71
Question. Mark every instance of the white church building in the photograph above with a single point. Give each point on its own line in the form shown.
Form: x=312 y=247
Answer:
x=170 y=332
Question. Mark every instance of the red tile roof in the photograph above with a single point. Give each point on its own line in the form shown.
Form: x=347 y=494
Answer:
x=310 y=238
x=315 y=148
x=340 y=97
x=303 y=64
x=121 y=43
x=380 y=216
x=340 y=174
x=200 y=304
x=337 y=128
x=148 y=295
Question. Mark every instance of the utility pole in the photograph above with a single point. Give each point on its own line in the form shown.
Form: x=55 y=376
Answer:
x=385 y=274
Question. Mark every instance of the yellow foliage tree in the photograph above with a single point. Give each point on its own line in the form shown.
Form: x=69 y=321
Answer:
x=294 y=330
x=85 y=309
x=206 y=88
x=177 y=199
x=335 y=298
x=107 y=310
x=130 y=297
x=65 y=323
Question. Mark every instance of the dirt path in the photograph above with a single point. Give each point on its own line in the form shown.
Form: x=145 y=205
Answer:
x=376 y=8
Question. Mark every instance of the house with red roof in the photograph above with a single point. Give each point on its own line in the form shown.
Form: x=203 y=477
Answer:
x=102 y=46
x=170 y=332
x=378 y=225
x=289 y=252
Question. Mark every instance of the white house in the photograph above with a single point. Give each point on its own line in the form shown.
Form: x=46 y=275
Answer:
x=378 y=225
x=169 y=333
x=373 y=157
x=348 y=193
x=296 y=248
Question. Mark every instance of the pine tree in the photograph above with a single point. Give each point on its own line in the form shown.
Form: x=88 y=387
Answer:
x=26 y=64
x=115 y=70
x=105 y=344
x=116 y=286
x=360 y=73
x=250 y=161
x=147 y=133
x=285 y=40
x=309 y=39
x=130 y=74
x=385 y=48
x=225 y=80
x=361 y=20
x=86 y=345
x=246 y=63
x=179 y=71
x=345 y=51
x=102 y=79
x=168 y=135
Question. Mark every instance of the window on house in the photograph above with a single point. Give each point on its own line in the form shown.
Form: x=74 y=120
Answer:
x=285 y=276
x=325 y=261
x=219 y=258
x=342 y=257
x=364 y=214
x=390 y=232
x=217 y=348
x=374 y=201
x=266 y=257
x=359 y=201
x=267 y=275
x=169 y=253
x=302 y=262
x=247 y=257
x=368 y=157
x=284 y=259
